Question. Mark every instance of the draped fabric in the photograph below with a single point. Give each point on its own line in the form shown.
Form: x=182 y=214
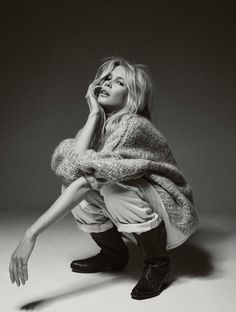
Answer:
x=135 y=149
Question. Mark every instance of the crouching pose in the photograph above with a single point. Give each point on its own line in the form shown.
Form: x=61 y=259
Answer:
x=119 y=179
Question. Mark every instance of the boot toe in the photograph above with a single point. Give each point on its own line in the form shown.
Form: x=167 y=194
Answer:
x=95 y=264
x=88 y=266
x=151 y=284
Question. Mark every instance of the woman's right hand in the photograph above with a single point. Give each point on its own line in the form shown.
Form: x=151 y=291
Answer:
x=18 y=264
x=94 y=106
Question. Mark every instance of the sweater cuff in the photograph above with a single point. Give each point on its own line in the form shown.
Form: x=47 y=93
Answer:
x=60 y=152
x=75 y=158
x=67 y=172
x=68 y=169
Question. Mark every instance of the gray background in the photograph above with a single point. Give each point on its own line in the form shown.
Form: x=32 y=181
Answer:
x=50 y=53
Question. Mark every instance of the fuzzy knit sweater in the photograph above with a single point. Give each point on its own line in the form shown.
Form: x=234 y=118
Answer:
x=135 y=149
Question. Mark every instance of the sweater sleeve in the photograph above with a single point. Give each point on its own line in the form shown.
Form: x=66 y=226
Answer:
x=69 y=165
x=130 y=152
x=60 y=152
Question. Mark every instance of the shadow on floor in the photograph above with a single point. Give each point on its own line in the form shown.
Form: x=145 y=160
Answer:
x=73 y=290
x=188 y=260
x=192 y=259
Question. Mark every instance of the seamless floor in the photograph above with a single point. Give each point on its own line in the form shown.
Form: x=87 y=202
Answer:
x=204 y=271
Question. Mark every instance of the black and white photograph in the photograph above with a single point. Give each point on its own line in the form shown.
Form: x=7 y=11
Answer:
x=118 y=156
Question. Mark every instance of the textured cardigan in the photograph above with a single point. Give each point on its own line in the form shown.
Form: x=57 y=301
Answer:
x=135 y=149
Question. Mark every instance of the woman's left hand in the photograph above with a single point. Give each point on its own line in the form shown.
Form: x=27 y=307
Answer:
x=18 y=264
x=91 y=98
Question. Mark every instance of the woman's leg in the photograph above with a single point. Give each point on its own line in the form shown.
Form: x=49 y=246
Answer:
x=89 y=214
x=91 y=217
x=129 y=210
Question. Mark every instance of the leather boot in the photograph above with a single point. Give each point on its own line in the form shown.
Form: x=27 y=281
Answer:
x=156 y=272
x=112 y=257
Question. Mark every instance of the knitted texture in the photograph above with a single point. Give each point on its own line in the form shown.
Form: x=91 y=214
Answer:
x=135 y=149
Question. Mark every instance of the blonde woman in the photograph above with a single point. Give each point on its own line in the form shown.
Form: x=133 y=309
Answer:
x=119 y=179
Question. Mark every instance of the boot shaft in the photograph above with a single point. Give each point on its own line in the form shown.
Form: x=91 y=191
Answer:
x=111 y=243
x=156 y=273
x=152 y=244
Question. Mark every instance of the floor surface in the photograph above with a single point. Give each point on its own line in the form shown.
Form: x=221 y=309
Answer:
x=204 y=271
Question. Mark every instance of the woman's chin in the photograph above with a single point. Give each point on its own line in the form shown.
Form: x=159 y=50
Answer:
x=102 y=101
x=105 y=105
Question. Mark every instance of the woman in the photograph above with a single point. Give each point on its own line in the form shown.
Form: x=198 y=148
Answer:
x=119 y=178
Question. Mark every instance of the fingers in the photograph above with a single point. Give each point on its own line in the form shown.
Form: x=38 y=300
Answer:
x=97 y=90
x=89 y=91
x=25 y=270
x=15 y=273
x=11 y=272
x=18 y=271
x=92 y=90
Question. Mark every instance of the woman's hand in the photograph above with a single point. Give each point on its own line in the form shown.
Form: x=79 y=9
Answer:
x=71 y=196
x=91 y=98
x=18 y=265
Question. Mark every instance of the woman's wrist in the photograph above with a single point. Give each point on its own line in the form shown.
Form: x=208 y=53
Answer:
x=95 y=115
x=30 y=233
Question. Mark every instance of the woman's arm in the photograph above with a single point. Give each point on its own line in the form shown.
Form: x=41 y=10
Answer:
x=85 y=136
x=71 y=196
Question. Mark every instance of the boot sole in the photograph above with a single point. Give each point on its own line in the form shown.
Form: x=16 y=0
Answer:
x=106 y=269
x=165 y=284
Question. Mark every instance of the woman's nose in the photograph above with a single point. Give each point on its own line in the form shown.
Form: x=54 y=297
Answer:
x=108 y=83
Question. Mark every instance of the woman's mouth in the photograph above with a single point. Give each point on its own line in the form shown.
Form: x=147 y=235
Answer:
x=104 y=93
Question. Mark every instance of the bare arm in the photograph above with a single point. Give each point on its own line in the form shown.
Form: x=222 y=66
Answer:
x=71 y=196
x=65 y=155
x=85 y=136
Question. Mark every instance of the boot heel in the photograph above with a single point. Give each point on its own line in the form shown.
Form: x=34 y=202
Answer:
x=168 y=281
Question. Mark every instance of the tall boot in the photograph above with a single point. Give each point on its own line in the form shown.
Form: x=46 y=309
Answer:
x=156 y=272
x=113 y=255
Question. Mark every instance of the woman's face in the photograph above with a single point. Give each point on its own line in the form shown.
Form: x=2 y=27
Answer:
x=114 y=90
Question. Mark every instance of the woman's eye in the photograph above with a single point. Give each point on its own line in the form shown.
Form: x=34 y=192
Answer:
x=120 y=83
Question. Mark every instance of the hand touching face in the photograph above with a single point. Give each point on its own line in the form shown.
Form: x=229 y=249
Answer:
x=114 y=90
x=94 y=106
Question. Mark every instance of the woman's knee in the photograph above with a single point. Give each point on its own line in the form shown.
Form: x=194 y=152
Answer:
x=87 y=213
x=117 y=199
x=125 y=205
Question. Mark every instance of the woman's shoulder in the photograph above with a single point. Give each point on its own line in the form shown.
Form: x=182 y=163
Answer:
x=141 y=122
x=135 y=119
x=127 y=127
x=141 y=127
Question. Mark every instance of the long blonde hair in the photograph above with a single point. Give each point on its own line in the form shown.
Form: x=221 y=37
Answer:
x=139 y=99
